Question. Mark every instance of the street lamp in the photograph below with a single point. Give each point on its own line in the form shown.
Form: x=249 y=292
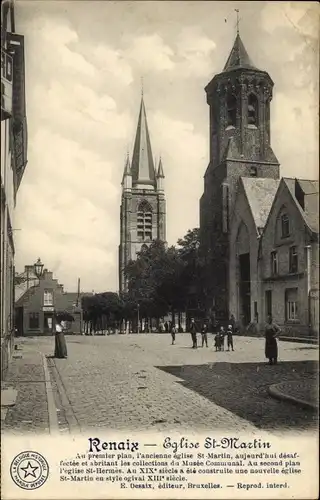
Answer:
x=38 y=268
x=138 y=317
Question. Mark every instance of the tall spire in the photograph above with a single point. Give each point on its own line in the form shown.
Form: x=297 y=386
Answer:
x=142 y=168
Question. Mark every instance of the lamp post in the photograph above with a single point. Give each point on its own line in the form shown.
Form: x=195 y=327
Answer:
x=138 y=318
x=38 y=268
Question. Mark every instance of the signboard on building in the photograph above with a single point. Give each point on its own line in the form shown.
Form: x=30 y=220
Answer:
x=6 y=82
x=48 y=309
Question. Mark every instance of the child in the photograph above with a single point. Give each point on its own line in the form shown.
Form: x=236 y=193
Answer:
x=173 y=333
x=221 y=336
x=229 y=337
x=217 y=342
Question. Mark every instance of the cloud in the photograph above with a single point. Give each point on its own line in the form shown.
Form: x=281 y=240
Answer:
x=194 y=50
x=83 y=91
x=150 y=53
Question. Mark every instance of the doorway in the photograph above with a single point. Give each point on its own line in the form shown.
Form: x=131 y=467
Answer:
x=19 y=321
x=245 y=288
x=48 y=323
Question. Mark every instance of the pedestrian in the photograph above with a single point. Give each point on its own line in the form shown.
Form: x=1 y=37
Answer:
x=204 y=333
x=217 y=342
x=193 y=331
x=221 y=338
x=173 y=333
x=60 y=347
x=271 y=346
x=166 y=327
x=230 y=337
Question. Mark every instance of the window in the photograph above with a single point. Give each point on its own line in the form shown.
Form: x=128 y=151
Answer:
x=268 y=306
x=48 y=298
x=231 y=111
x=274 y=263
x=285 y=226
x=144 y=222
x=291 y=299
x=33 y=320
x=253 y=172
x=293 y=260
x=252 y=110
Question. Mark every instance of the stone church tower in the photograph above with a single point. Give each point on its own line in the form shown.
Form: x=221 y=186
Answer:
x=143 y=206
x=239 y=100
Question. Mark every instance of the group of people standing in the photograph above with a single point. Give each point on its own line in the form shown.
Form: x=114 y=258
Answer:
x=271 y=334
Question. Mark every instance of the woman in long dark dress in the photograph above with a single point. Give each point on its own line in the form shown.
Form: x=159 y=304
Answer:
x=60 y=346
x=271 y=347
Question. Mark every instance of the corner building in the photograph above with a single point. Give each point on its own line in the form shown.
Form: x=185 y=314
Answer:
x=13 y=164
x=239 y=99
x=143 y=206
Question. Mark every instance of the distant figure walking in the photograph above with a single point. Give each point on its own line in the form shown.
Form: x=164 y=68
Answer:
x=60 y=346
x=193 y=331
x=204 y=334
x=230 y=337
x=271 y=346
x=173 y=333
x=166 y=326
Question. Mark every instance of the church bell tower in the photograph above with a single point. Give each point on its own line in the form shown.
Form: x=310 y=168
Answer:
x=239 y=101
x=143 y=205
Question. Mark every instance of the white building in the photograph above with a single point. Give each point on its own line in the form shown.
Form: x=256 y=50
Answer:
x=13 y=162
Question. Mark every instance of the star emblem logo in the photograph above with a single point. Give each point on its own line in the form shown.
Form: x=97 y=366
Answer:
x=29 y=470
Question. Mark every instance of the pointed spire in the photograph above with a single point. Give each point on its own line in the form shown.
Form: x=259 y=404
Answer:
x=127 y=169
x=238 y=57
x=160 y=172
x=142 y=169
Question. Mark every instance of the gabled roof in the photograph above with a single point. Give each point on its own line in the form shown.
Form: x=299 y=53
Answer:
x=310 y=189
x=142 y=166
x=238 y=57
x=260 y=193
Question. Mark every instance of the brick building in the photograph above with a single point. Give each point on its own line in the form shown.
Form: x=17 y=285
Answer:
x=143 y=206
x=239 y=99
x=13 y=163
x=36 y=307
x=289 y=258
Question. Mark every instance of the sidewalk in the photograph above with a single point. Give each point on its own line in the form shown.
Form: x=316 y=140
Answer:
x=23 y=393
x=301 y=393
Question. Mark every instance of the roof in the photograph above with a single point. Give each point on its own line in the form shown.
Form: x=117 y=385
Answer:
x=260 y=195
x=238 y=57
x=310 y=190
x=142 y=166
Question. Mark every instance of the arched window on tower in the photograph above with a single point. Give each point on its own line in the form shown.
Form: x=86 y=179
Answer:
x=144 y=221
x=231 y=110
x=253 y=110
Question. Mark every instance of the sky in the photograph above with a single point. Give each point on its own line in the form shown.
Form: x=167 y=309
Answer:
x=84 y=64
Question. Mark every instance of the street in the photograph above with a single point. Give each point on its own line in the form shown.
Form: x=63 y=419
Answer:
x=142 y=382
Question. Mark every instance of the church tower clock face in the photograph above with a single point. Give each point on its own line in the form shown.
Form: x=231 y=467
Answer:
x=143 y=205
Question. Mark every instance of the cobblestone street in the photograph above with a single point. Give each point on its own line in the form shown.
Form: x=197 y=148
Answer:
x=143 y=382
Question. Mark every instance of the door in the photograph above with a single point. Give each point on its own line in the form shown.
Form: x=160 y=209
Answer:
x=48 y=323
x=19 y=321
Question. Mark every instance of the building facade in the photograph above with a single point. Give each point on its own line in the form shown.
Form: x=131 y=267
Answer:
x=289 y=259
x=35 y=309
x=13 y=163
x=250 y=212
x=143 y=205
x=239 y=100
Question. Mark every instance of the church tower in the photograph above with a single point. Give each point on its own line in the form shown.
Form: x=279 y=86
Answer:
x=143 y=206
x=239 y=102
